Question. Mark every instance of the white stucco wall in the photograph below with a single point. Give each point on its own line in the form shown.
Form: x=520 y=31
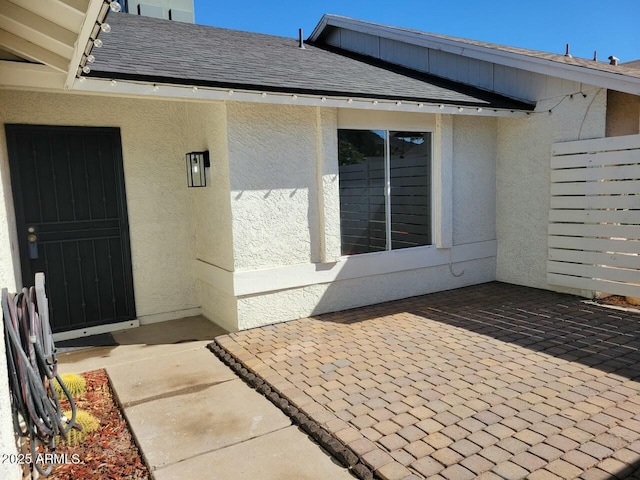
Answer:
x=155 y=137
x=211 y=210
x=474 y=179
x=211 y=206
x=272 y=157
x=523 y=180
x=281 y=220
x=284 y=305
x=10 y=276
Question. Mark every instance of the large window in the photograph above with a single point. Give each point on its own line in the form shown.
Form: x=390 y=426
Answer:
x=385 y=190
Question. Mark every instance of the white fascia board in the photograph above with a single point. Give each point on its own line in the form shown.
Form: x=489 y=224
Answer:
x=203 y=94
x=95 y=10
x=575 y=73
x=24 y=48
x=30 y=76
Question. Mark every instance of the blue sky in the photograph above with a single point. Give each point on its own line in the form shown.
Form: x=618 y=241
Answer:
x=610 y=27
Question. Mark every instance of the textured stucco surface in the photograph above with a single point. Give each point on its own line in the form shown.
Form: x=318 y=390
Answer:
x=10 y=261
x=474 y=179
x=272 y=160
x=329 y=231
x=211 y=206
x=523 y=180
x=155 y=137
x=278 y=218
x=623 y=114
x=218 y=306
x=275 y=307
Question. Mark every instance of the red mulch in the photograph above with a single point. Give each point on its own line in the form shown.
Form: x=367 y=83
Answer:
x=619 y=301
x=109 y=452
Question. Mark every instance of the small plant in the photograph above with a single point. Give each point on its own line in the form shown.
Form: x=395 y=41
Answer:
x=88 y=422
x=75 y=383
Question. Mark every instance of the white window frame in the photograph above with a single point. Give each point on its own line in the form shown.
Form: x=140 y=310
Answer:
x=387 y=187
x=441 y=129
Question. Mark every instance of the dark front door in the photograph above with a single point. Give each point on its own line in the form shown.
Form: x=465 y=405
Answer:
x=71 y=215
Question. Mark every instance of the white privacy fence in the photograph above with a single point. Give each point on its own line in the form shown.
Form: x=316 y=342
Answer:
x=594 y=218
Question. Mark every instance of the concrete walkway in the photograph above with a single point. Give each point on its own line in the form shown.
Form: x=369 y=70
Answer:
x=192 y=416
x=490 y=382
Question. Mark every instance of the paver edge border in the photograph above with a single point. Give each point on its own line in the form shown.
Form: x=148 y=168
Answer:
x=339 y=451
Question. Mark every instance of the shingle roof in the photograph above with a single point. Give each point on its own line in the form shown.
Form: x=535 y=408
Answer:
x=162 y=51
x=621 y=69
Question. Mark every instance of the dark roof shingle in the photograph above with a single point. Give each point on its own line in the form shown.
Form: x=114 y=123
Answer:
x=162 y=51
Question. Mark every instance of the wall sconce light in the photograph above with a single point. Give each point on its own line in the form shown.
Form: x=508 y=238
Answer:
x=196 y=163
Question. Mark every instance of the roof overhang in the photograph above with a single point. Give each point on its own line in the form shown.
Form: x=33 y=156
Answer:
x=131 y=88
x=46 y=40
x=613 y=81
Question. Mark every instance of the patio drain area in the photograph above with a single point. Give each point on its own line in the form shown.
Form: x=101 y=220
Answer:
x=489 y=381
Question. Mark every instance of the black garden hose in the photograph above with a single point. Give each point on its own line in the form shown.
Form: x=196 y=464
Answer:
x=35 y=405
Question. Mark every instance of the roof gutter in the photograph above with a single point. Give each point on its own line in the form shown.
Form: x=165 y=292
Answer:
x=132 y=88
x=576 y=73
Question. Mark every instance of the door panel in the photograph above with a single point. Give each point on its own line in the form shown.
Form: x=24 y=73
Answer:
x=68 y=188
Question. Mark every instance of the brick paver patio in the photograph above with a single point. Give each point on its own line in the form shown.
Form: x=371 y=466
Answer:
x=490 y=381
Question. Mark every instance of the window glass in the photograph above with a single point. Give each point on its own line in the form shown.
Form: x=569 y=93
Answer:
x=361 y=155
x=410 y=176
x=385 y=190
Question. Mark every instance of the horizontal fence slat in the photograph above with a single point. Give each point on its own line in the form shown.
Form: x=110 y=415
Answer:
x=596 y=188
x=412 y=190
x=596 y=145
x=600 y=173
x=591 y=202
x=595 y=258
x=591 y=271
x=593 y=284
x=594 y=244
x=620 y=157
x=595 y=216
x=408 y=228
x=581 y=230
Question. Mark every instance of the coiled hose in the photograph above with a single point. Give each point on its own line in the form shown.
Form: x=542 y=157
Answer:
x=35 y=404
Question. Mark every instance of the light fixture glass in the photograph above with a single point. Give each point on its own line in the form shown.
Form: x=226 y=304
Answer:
x=115 y=6
x=196 y=163
x=91 y=58
x=97 y=43
x=86 y=69
x=105 y=27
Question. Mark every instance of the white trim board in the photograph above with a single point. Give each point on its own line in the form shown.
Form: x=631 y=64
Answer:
x=127 y=88
x=255 y=282
x=85 y=332
x=165 y=316
x=27 y=76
